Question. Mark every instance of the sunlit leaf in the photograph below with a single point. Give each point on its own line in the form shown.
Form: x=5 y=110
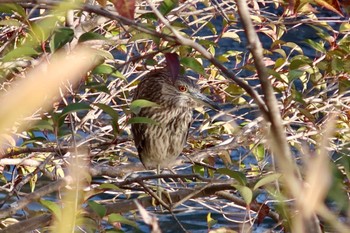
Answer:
x=20 y=52
x=245 y=192
x=316 y=45
x=332 y=5
x=10 y=22
x=103 y=69
x=344 y=27
x=109 y=187
x=232 y=35
x=239 y=176
x=53 y=207
x=167 y=5
x=193 y=64
x=210 y=221
x=119 y=218
x=266 y=180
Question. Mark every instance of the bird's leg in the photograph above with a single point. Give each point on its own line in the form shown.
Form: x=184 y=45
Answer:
x=159 y=190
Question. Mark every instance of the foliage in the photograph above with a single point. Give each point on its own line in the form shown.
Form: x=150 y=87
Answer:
x=85 y=127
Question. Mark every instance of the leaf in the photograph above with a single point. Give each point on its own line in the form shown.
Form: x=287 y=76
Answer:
x=344 y=27
x=193 y=64
x=46 y=124
x=102 y=2
x=315 y=45
x=109 y=187
x=173 y=65
x=142 y=120
x=210 y=221
x=20 y=52
x=91 y=36
x=118 y=218
x=239 y=176
x=263 y=212
x=10 y=22
x=109 y=110
x=167 y=5
x=266 y=180
x=61 y=37
x=136 y=105
x=232 y=35
x=245 y=192
x=332 y=5
x=53 y=207
x=99 y=209
x=125 y=8
x=75 y=107
x=11 y=8
x=103 y=69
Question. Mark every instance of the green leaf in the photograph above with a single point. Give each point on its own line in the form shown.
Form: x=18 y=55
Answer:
x=91 y=36
x=266 y=180
x=167 y=5
x=315 y=45
x=75 y=107
x=20 y=52
x=11 y=8
x=136 y=105
x=143 y=36
x=239 y=176
x=344 y=27
x=103 y=69
x=121 y=219
x=245 y=192
x=10 y=22
x=259 y=152
x=109 y=187
x=42 y=125
x=142 y=120
x=109 y=110
x=193 y=64
x=53 y=207
x=60 y=37
x=98 y=208
x=210 y=221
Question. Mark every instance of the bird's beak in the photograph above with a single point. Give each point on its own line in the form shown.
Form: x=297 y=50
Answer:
x=204 y=100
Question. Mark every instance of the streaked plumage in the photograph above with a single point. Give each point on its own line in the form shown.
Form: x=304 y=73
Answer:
x=159 y=145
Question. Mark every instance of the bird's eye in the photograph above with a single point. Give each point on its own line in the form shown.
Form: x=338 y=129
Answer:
x=182 y=88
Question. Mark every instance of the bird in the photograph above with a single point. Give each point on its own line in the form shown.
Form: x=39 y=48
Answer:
x=159 y=145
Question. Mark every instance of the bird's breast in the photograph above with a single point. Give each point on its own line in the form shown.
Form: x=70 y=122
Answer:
x=165 y=140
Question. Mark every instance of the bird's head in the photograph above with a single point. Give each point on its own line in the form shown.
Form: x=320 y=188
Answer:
x=183 y=92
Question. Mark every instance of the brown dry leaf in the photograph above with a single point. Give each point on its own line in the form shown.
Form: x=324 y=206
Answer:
x=332 y=5
x=125 y=8
x=263 y=212
x=102 y=2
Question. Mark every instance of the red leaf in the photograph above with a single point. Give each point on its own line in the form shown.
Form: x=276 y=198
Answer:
x=125 y=8
x=263 y=212
x=173 y=65
x=332 y=5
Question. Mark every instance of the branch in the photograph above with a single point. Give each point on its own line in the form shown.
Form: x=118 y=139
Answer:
x=278 y=138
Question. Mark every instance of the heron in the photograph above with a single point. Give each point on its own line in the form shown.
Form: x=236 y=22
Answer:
x=158 y=145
